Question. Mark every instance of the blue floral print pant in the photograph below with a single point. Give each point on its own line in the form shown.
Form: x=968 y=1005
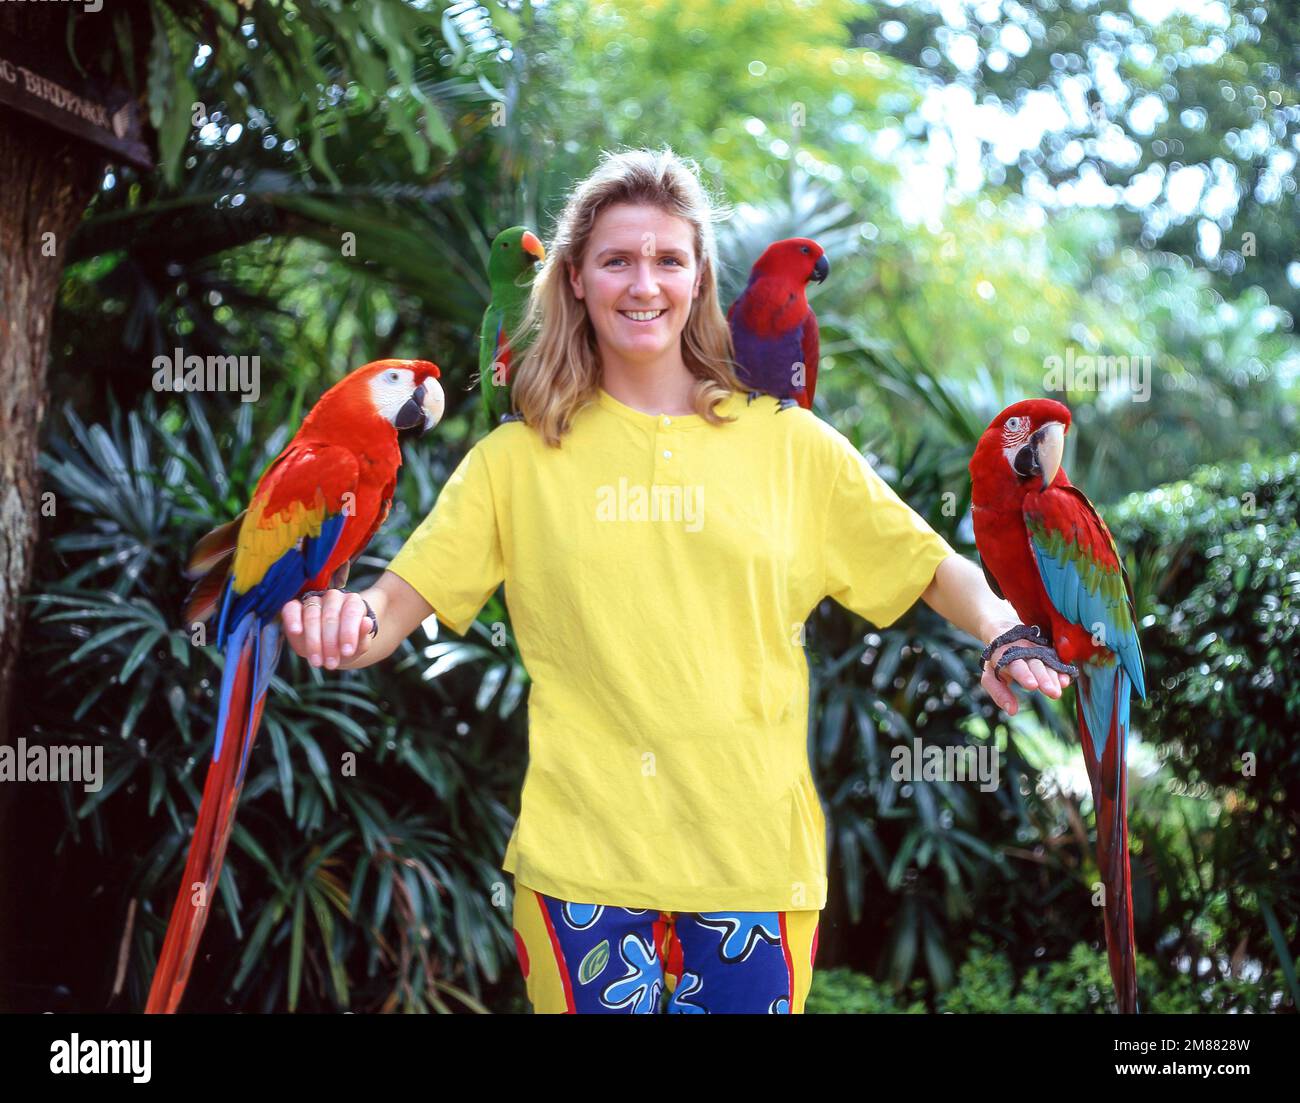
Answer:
x=597 y=958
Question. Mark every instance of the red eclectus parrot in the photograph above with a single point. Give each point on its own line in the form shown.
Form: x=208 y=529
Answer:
x=1046 y=550
x=511 y=267
x=773 y=328
x=315 y=509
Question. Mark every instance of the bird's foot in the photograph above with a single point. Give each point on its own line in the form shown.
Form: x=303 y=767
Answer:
x=785 y=403
x=1019 y=632
x=510 y=417
x=752 y=395
x=1044 y=655
x=1035 y=650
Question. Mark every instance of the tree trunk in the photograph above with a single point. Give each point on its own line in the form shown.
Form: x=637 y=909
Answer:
x=49 y=178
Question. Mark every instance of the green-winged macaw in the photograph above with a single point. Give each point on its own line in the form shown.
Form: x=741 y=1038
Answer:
x=1045 y=549
x=313 y=512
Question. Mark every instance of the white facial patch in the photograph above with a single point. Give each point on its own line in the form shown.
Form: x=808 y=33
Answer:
x=1015 y=435
x=390 y=389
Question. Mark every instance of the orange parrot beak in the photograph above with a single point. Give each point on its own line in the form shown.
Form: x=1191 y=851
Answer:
x=532 y=245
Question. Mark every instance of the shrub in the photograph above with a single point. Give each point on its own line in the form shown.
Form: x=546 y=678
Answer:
x=1217 y=573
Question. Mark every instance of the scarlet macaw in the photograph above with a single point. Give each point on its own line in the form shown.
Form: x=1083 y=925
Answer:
x=773 y=328
x=313 y=512
x=1045 y=548
x=511 y=267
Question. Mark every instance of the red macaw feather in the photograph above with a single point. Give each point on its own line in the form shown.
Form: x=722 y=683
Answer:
x=1108 y=779
x=211 y=835
x=503 y=354
x=214 y=547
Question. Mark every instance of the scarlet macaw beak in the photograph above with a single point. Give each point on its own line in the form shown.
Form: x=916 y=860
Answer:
x=424 y=409
x=1047 y=446
x=532 y=246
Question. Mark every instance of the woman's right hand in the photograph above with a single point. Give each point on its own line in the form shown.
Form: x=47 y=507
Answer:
x=327 y=629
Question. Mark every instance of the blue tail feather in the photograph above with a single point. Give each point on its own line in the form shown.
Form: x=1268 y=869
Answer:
x=234 y=651
x=266 y=655
x=226 y=598
x=1097 y=699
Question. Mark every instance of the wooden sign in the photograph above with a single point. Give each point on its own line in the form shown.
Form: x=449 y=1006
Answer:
x=43 y=83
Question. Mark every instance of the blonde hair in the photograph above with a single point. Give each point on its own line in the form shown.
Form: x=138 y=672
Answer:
x=560 y=371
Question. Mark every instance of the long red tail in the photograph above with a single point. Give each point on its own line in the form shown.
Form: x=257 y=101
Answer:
x=1108 y=775
x=251 y=654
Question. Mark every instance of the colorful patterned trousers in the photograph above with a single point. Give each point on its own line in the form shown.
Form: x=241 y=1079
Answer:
x=597 y=958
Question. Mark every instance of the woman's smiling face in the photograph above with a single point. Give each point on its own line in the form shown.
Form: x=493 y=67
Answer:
x=638 y=279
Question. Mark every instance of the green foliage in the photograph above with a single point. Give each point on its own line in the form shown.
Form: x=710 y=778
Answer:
x=303 y=209
x=289 y=60
x=1081 y=984
x=841 y=991
x=987 y=984
x=1218 y=565
x=1207 y=88
x=745 y=91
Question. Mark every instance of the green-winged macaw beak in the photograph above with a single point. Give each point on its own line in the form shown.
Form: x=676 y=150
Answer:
x=1047 y=446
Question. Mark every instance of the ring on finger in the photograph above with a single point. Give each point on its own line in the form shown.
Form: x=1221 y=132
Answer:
x=312 y=594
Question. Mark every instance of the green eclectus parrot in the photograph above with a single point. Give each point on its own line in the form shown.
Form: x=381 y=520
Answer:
x=773 y=329
x=313 y=512
x=1047 y=551
x=516 y=253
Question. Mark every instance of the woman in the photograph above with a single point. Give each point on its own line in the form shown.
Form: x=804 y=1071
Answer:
x=662 y=541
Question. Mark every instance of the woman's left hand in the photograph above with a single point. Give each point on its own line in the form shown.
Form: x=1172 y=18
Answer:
x=1031 y=675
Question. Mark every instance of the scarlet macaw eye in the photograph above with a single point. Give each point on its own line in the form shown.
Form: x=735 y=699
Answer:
x=393 y=376
x=1013 y=423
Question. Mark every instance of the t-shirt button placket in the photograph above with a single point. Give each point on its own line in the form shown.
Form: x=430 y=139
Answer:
x=665 y=470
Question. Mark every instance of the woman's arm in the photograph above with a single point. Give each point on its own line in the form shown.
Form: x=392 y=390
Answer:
x=333 y=630
x=960 y=593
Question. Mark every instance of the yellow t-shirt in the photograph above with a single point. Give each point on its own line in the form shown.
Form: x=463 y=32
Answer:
x=658 y=573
